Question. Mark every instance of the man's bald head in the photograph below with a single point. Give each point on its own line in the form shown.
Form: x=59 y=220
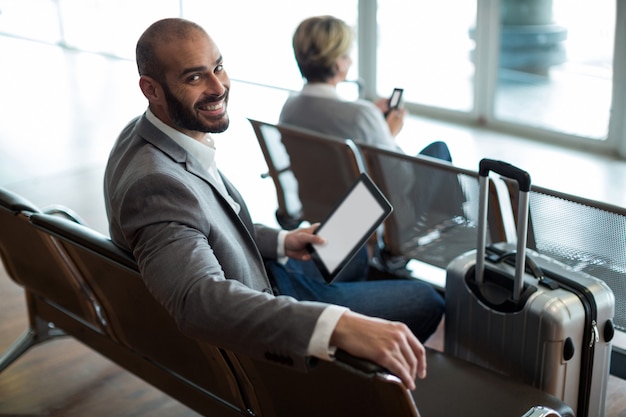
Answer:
x=160 y=33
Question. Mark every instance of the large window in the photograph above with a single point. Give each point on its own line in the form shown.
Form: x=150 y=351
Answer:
x=426 y=47
x=549 y=69
x=556 y=63
x=543 y=68
x=18 y=18
x=256 y=39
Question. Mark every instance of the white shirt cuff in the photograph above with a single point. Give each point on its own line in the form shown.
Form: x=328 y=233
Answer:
x=280 y=249
x=319 y=345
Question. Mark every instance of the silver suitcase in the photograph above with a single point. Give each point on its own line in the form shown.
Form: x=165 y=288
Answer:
x=523 y=314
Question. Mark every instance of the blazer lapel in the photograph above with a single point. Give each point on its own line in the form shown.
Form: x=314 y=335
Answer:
x=156 y=137
x=244 y=214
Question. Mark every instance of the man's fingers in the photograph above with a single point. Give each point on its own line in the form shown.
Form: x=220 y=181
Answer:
x=402 y=371
x=410 y=356
x=420 y=351
x=389 y=344
x=407 y=360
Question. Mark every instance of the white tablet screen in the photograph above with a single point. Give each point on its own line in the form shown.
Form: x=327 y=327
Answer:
x=349 y=225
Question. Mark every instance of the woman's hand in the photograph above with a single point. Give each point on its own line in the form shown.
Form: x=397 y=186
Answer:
x=394 y=118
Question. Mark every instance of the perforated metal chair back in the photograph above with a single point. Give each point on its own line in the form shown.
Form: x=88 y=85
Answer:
x=434 y=217
x=587 y=235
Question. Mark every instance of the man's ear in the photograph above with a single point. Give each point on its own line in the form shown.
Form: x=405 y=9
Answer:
x=150 y=88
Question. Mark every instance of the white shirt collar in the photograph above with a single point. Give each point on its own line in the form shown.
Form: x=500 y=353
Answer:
x=203 y=151
x=320 y=90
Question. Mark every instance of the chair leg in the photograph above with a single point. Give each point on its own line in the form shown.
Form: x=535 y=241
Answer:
x=42 y=332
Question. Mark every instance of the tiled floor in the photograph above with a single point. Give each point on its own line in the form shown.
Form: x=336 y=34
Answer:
x=62 y=110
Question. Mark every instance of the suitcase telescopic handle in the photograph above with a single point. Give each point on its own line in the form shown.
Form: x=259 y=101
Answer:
x=523 y=179
x=507 y=170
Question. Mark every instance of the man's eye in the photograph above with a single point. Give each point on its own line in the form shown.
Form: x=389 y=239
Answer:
x=194 y=77
x=219 y=68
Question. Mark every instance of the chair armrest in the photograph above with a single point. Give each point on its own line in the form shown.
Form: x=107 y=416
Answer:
x=360 y=364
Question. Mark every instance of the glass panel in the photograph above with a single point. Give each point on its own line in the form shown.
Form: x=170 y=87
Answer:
x=255 y=38
x=556 y=65
x=424 y=46
x=111 y=26
x=34 y=19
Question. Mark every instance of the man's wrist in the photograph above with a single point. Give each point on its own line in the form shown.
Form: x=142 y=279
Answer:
x=319 y=345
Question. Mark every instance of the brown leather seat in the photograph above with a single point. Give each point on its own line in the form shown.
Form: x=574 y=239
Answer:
x=52 y=288
x=455 y=387
x=289 y=211
x=324 y=166
x=139 y=322
x=355 y=387
x=33 y=261
x=347 y=387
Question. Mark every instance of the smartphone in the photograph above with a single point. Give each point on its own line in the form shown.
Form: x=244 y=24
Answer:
x=394 y=100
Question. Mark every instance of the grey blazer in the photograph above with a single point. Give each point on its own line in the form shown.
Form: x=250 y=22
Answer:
x=202 y=261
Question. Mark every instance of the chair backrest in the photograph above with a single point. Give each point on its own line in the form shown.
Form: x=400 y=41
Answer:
x=289 y=211
x=346 y=387
x=325 y=167
x=139 y=321
x=35 y=261
x=435 y=205
x=588 y=235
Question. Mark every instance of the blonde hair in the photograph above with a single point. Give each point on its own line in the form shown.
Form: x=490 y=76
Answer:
x=318 y=43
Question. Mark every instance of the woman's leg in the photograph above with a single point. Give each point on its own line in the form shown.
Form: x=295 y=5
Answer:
x=437 y=150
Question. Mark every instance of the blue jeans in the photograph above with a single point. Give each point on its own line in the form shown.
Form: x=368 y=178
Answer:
x=413 y=302
x=438 y=150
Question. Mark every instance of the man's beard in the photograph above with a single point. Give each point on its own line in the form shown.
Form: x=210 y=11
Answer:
x=184 y=118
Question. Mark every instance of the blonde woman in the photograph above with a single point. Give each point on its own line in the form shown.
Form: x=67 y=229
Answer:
x=322 y=47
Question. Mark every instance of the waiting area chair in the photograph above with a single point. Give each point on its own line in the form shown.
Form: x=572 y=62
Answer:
x=33 y=261
x=325 y=167
x=142 y=338
x=139 y=322
x=289 y=211
x=311 y=171
x=435 y=203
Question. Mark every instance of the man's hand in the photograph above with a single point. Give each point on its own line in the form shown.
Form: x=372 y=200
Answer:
x=296 y=241
x=389 y=344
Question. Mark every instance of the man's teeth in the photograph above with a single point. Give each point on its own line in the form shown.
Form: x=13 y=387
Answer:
x=210 y=107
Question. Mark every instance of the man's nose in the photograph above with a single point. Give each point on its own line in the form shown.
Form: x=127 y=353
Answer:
x=214 y=86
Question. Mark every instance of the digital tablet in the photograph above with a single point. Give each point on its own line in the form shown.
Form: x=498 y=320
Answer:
x=348 y=226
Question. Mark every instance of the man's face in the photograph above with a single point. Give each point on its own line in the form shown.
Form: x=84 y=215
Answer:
x=196 y=86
